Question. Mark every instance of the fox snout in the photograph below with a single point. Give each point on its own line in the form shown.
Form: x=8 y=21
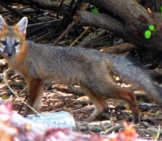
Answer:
x=9 y=48
x=8 y=51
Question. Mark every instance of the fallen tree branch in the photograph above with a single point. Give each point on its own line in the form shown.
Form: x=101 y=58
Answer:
x=134 y=36
x=119 y=48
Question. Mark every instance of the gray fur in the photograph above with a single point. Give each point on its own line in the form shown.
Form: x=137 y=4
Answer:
x=77 y=65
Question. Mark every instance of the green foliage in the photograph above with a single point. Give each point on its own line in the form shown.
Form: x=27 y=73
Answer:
x=149 y=31
x=160 y=8
x=94 y=10
x=151 y=27
x=147 y=34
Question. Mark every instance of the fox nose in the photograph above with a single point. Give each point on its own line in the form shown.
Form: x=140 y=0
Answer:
x=10 y=54
x=9 y=50
x=7 y=55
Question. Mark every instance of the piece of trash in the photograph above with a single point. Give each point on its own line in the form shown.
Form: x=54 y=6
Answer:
x=59 y=119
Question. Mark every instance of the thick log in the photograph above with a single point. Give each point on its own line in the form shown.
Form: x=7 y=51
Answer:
x=129 y=31
x=127 y=11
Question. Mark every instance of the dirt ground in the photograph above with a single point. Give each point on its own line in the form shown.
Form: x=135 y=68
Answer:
x=71 y=99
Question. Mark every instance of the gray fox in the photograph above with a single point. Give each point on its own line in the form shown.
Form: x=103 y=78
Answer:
x=90 y=69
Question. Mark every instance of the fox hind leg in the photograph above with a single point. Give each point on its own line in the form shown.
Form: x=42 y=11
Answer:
x=98 y=101
x=105 y=86
x=128 y=96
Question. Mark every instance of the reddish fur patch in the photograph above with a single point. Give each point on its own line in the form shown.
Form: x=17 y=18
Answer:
x=19 y=57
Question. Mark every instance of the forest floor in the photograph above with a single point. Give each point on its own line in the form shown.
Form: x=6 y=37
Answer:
x=71 y=99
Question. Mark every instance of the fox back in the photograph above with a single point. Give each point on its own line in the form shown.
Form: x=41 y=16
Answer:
x=60 y=64
x=35 y=60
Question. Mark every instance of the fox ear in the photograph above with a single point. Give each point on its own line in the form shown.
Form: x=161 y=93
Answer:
x=22 y=25
x=2 y=23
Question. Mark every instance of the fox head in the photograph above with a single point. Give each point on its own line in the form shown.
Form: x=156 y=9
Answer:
x=12 y=37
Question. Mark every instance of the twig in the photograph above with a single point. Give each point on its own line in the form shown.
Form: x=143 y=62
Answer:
x=76 y=40
x=20 y=93
x=16 y=95
x=92 y=38
x=114 y=128
x=158 y=133
x=64 y=33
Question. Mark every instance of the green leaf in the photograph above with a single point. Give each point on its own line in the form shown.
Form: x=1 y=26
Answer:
x=151 y=27
x=147 y=34
x=160 y=8
x=95 y=10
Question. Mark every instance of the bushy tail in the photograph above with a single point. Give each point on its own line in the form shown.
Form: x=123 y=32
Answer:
x=128 y=70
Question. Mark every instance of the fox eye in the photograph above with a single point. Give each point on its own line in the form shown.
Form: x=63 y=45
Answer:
x=16 y=43
x=4 y=42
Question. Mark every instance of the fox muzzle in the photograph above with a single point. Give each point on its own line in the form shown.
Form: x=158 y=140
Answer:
x=9 y=50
